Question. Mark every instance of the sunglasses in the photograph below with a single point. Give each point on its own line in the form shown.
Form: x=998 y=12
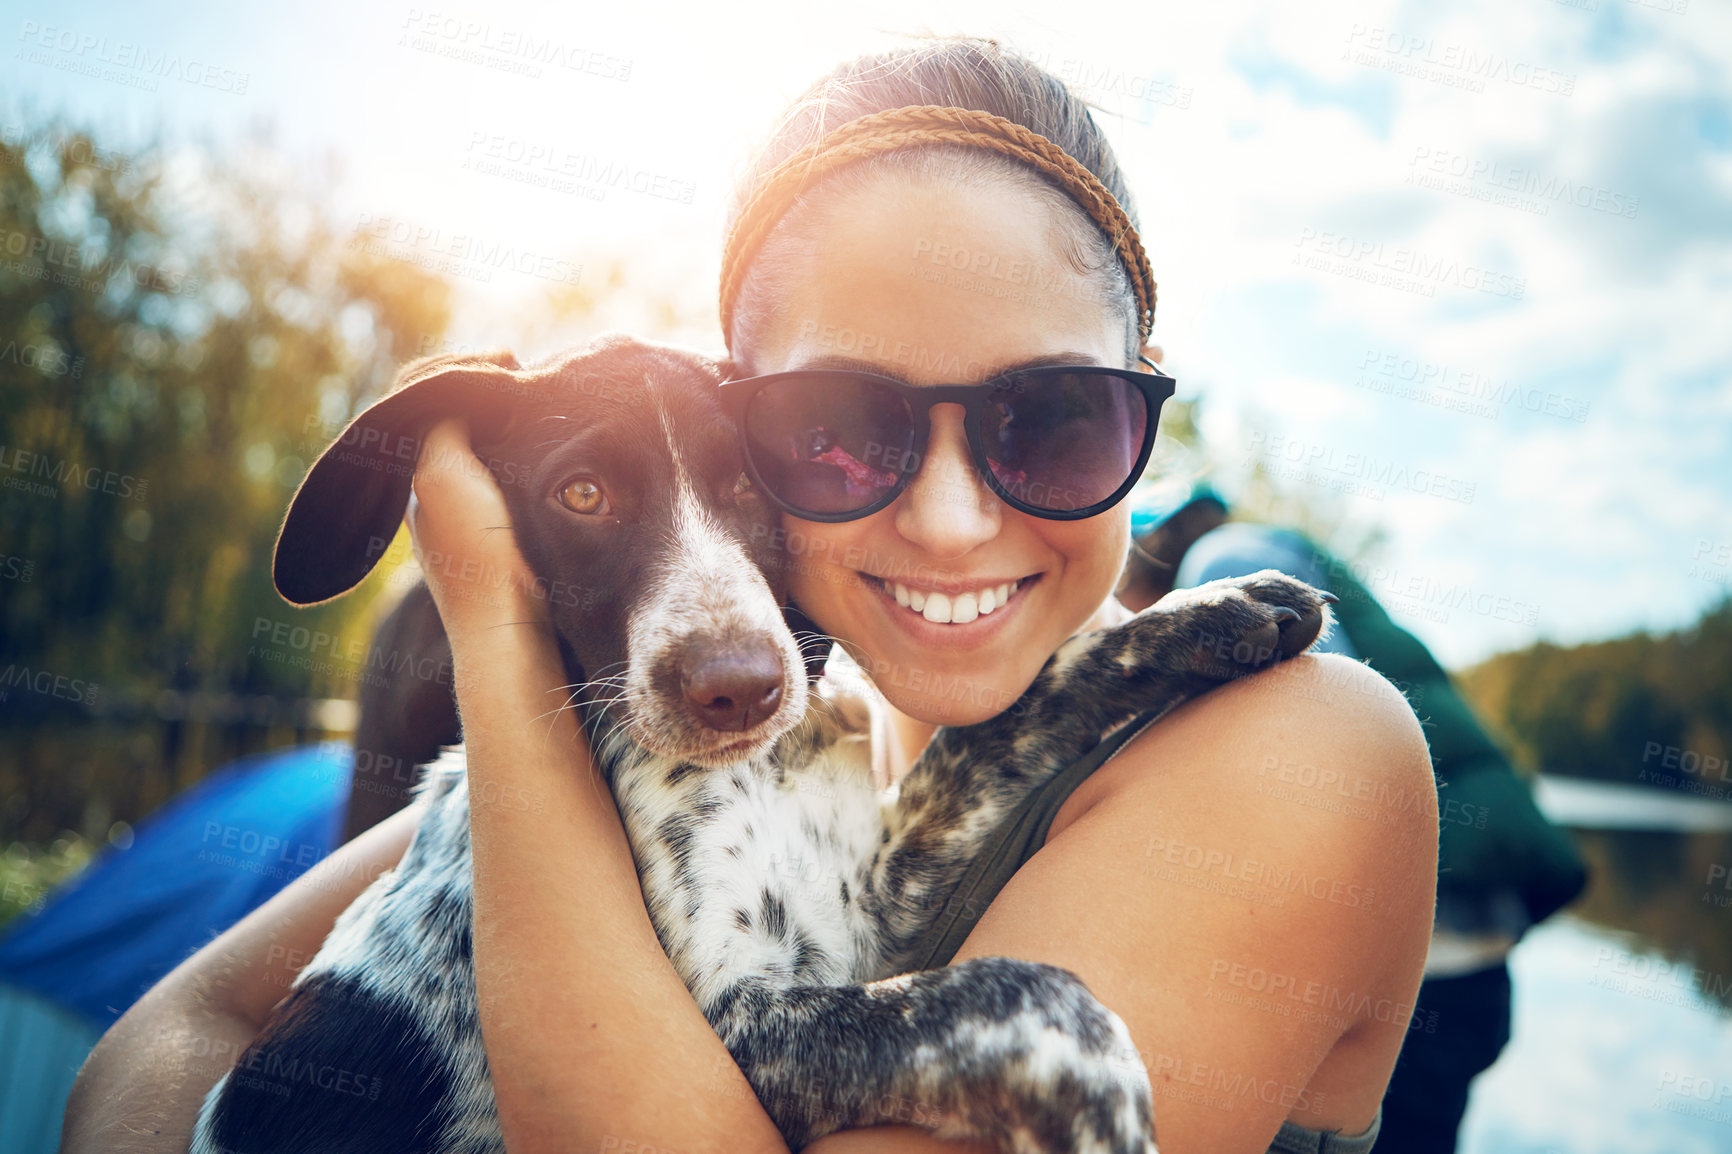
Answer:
x=1062 y=442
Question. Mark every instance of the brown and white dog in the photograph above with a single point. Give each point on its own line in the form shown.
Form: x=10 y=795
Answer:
x=788 y=905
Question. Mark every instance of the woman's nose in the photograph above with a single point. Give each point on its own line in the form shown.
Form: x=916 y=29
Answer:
x=946 y=510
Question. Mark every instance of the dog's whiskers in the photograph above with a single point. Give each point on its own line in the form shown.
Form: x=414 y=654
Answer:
x=572 y=702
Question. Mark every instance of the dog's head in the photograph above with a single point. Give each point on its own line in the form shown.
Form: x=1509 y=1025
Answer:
x=623 y=479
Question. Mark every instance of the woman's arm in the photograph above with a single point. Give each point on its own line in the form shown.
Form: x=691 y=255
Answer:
x=1250 y=886
x=139 y=1091
x=593 y=1041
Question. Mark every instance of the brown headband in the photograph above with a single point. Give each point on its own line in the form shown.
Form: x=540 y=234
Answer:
x=930 y=124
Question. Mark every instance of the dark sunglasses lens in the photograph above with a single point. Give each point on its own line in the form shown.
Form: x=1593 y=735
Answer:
x=1064 y=441
x=829 y=444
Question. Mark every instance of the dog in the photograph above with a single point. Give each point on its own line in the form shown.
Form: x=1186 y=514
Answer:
x=407 y=711
x=624 y=484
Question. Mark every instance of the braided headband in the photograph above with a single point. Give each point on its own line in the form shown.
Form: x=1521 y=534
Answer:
x=930 y=124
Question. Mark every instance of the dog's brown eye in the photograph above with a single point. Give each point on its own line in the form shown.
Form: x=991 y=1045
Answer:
x=583 y=496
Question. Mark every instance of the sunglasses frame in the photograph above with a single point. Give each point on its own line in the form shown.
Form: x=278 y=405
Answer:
x=1156 y=386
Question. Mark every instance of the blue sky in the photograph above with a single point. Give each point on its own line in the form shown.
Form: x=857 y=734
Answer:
x=1461 y=271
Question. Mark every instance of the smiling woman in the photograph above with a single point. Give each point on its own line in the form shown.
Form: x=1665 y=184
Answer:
x=955 y=261
x=1178 y=890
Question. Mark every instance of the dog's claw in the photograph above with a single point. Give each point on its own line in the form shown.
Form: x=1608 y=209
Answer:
x=1298 y=630
x=1260 y=646
x=1328 y=597
x=1286 y=617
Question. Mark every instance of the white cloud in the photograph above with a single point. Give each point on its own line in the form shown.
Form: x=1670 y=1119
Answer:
x=1271 y=120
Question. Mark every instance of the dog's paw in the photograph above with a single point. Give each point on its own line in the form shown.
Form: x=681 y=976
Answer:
x=1091 y=1101
x=1238 y=625
x=1038 y=1066
x=1113 y=1110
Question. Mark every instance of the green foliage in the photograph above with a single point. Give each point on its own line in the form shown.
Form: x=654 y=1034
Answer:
x=1612 y=710
x=181 y=332
x=26 y=874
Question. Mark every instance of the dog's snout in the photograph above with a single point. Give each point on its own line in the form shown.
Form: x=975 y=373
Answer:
x=732 y=687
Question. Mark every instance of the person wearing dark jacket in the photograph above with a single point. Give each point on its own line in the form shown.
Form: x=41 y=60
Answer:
x=1502 y=867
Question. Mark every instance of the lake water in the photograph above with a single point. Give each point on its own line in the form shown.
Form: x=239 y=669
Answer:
x=1622 y=1029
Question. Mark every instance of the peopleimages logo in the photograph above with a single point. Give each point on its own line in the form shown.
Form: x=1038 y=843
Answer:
x=55 y=473
x=1369 y=260
x=560 y=169
x=91 y=264
x=47 y=684
x=119 y=60
x=521 y=50
x=1460 y=389
x=1351 y=472
x=1512 y=185
x=459 y=253
x=1465 y=66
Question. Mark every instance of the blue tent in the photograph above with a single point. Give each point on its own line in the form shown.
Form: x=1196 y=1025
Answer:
x=194 y=868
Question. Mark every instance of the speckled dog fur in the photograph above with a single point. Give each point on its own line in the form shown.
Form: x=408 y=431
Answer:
x=786 y=891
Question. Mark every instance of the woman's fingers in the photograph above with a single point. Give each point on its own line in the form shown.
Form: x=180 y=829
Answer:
x=454 y=496
x=461 y=531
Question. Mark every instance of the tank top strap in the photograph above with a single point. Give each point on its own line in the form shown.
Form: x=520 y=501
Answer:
x=1293 y=1138
x=1016 y=839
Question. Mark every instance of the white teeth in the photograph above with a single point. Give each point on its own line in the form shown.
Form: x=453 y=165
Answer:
x=952 y=608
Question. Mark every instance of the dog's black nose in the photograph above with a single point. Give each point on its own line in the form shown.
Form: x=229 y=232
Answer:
x=732 y=687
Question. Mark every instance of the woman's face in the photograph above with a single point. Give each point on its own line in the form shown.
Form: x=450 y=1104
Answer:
x=945 y=285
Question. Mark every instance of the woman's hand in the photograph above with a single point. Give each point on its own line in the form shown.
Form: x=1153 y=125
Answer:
x=462 y=535
x=593 y=1041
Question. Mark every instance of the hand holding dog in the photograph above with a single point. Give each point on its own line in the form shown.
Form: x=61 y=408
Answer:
x=559 y=919
x=461 y=531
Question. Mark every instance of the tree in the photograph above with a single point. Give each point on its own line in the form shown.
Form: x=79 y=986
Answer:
x=1641 y=708
x=181 y=332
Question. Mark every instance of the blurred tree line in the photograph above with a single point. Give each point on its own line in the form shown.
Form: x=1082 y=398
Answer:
x=181 y=331
x=1638 y=709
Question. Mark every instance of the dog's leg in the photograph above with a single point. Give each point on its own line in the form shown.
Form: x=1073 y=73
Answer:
x=996 y=1049
x=1186 y=643
x=969 y=777
x=378 y=1045
x=407 y=713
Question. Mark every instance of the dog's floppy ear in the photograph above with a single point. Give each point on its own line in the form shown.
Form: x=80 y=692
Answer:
x=349 y=505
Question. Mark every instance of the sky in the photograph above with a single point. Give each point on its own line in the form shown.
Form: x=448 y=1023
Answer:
x=1458 y=271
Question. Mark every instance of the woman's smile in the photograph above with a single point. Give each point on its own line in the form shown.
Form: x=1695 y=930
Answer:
x=956 y=606
x=958 y=613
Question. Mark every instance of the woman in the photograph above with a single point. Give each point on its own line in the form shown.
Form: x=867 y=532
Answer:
x=1263 y=945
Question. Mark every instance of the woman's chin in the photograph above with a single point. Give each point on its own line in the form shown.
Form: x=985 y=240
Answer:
x=964 y=709
x=948 y=688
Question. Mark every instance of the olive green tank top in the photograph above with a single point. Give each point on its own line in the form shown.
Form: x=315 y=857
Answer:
x=1016 y=840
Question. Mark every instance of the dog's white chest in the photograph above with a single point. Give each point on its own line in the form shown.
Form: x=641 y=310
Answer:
x=747 y=876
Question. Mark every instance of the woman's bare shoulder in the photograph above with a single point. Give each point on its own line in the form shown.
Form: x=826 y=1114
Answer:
x=1313 y=743
x=1249 y=885
x=1310 y=780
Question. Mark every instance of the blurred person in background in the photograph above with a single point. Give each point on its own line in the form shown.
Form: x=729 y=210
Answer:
x=1502 y=867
